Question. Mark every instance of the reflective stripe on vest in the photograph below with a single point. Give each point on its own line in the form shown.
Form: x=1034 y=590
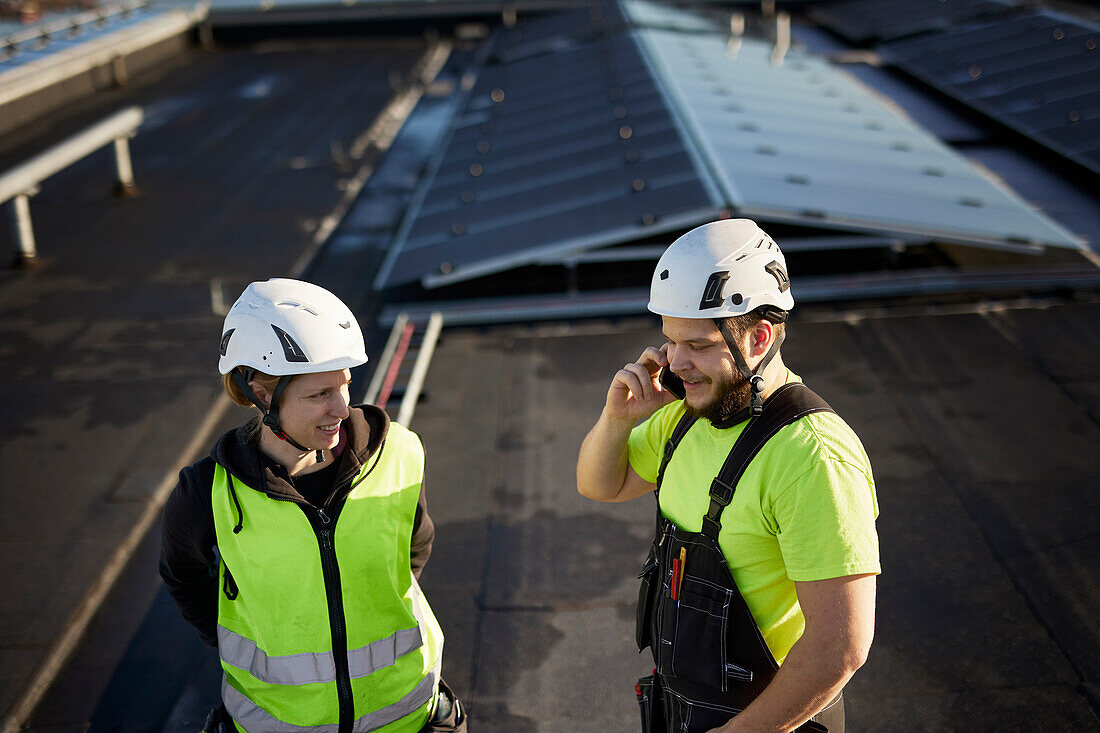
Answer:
x=277 y=632
x=308 y=667
x=250 y=716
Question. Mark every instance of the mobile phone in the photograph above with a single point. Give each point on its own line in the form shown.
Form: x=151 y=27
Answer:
x=672 y=383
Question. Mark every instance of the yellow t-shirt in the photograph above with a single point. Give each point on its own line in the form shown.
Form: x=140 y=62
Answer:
x=804 y=509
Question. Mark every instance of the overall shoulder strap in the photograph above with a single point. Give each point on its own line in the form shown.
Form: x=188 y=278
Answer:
x=787 y=404
x=678 y=434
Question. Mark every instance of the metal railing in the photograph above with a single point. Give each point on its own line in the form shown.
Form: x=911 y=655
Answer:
x=389 y=377
x=20 y=183
x=69 y=27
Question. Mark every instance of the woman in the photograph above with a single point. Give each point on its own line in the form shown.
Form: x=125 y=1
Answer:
x=295 y=547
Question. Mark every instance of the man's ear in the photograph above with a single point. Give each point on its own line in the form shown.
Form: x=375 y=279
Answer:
x=261 y=393
x=760 y=337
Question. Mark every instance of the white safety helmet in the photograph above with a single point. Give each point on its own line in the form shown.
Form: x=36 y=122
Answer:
x=722 y=269
x=284 y=327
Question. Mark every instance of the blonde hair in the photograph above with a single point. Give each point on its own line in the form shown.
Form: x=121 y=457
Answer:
x=235 y=393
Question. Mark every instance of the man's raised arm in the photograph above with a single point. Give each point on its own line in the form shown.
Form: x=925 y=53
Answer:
x=603 y=472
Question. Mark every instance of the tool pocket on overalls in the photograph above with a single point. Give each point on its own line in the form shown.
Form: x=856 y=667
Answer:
x=692 y=716
x=647 y=597
x=649 y=695
x=698 y=636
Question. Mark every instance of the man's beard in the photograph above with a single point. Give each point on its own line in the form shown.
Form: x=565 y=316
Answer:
x=731 y=395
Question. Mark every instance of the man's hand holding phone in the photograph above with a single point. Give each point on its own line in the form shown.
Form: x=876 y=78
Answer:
x=637 y=391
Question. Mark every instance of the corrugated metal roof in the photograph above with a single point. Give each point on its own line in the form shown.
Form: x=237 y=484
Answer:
x=1037 y=72
x=560 y=147
x=865 y=20
x=804 y=142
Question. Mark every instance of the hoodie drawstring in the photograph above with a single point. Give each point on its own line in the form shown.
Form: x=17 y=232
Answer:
x=236 y=503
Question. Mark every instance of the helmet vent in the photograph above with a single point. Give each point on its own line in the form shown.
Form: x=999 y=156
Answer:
x=664 y=275
x=225 y=341
x=776 y=270
x=292 y=352
x=712 y=292
x=294 y=305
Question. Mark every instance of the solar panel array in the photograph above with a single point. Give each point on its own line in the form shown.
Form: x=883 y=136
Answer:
x=565 y=143
x=580 y=132
x=861 y=21
x=1037 y=72
x=801 y=141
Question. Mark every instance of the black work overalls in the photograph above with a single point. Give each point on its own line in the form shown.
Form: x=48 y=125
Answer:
x=711 y=659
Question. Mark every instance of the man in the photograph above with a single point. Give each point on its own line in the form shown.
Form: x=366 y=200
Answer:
x=791 y=532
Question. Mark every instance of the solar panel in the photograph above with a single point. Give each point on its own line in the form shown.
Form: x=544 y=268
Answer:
x=865 y=20
x=1038 y=73
x=562 y=148
x=801 y=141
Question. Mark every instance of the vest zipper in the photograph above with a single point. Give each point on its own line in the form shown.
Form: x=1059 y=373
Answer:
x=331 y=571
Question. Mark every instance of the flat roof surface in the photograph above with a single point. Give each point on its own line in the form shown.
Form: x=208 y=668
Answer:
x=981 y=427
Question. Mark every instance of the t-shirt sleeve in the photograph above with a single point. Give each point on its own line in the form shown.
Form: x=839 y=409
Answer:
x=647 y=440
x=825 y=522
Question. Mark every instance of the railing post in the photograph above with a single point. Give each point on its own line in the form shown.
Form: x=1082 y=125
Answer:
x=24 y=233
x=124 y=167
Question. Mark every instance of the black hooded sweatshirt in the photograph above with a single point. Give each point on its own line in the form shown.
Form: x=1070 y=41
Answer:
x=187 y=561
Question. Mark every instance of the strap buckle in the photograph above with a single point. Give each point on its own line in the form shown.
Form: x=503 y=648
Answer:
x=721 y=492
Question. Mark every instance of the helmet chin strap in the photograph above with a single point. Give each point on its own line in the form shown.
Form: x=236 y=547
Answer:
x=755 y=377
x=271 y=416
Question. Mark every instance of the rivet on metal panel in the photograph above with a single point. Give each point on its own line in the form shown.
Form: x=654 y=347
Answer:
x=488 y=128
x=1090 y=44
x=1074 y=116
x=975 y=71
x=483 y=146
x=638 y=185
x=497 y=95
x=625 y=132
x=767 y=150
x=616 y=95
x=476 y=170
x=1059 y=34
x=648 y=219
x=458 y=229
x=445 y=268
x=468 y=196
x=631 y=156
x=971 y=201
x=621 y=112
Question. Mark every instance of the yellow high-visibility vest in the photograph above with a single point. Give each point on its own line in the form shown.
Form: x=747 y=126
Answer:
x=320 y=618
